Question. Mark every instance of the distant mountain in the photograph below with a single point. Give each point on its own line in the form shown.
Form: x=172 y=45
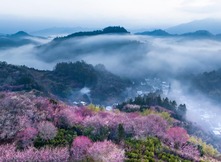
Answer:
x=158 y=32
x=18 y=39
x=20 y=34
x=199 y=34
x=211 y=25
x=81 y=44
x=58 y=31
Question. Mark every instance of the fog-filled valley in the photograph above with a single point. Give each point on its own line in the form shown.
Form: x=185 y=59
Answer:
x=138 y=58
x=111 y=66
x=173 y=56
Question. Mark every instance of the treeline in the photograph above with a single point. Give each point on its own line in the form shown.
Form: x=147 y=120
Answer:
x=154 y=99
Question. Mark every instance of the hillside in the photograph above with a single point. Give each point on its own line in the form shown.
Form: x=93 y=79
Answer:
x=67 y=82
x=208 y=83
x=42 y=129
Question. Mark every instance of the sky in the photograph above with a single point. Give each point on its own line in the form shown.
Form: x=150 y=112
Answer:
x=100 y=13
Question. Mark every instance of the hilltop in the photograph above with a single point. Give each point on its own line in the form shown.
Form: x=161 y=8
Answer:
x=107 y=30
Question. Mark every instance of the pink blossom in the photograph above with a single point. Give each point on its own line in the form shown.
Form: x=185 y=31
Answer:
x=106 y=152
x=26 y=137
x=47 y=130
x=190 y=151
x=177 y=136
x=8 y=153
x=70 y=117
x=80 y=147
x=151 y=125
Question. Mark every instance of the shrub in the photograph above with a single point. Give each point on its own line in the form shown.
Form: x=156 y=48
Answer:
x=63 y=138
x=177 y=136
x=206 y=148
x=26 y=137
x=47 y=130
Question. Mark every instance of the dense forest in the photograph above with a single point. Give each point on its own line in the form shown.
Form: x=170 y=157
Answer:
x=66 y=81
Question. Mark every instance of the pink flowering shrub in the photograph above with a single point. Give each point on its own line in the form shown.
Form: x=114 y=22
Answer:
x=189 y=151
x=96 y=121
x=69 y=117
x=106 y=152
x=26 y=137
x=177 y=137
x=79 y=149
x=47 y=130
x=151 y=125
x=22 y=110
x=9 y=154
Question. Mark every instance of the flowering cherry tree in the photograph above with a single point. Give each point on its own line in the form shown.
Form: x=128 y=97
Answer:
x=26 y=137
x=106 y=152
x=8 y=153
x=79 y=149
x=151 y=125
x=190 y=151
x=177 y=137
x=47 y=130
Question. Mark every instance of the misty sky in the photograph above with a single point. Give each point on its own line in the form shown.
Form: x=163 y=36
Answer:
x=100 y=13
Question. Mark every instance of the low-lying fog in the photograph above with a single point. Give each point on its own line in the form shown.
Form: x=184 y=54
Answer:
x=133 y=56
x=201 y=110
x=124 y=54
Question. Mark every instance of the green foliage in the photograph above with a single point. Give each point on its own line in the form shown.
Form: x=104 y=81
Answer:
x=120 y=133
x=149 y=150
x=94 y=108
x=63 y=138
x=203 y=147
x=79 y=72
x=95 y=135
x=166 y=116
x=142 y=149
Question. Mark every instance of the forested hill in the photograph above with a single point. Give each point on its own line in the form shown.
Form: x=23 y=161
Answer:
x=67 y=81
x=107 y=30
x=208 y=83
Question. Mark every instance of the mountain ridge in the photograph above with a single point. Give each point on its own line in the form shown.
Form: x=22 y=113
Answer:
x=212 y=25
x=107 y=30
